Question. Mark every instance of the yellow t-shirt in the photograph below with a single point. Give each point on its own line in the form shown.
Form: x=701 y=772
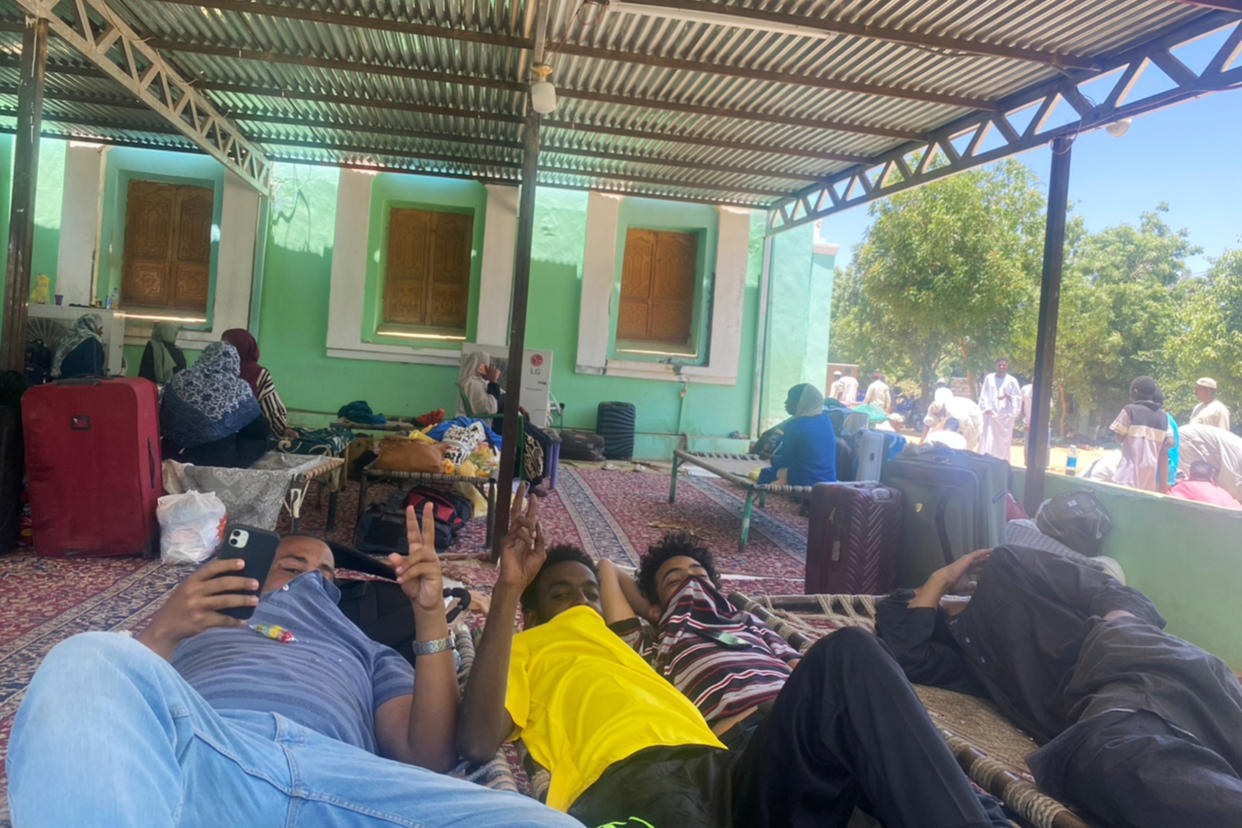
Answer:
x=582 y=699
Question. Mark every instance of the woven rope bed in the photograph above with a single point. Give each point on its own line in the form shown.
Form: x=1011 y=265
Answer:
x=990 y=749
x=733 y=468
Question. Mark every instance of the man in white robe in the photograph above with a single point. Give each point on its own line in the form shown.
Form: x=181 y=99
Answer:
x=1001 y=401
x=845 y=389
x=879 y=394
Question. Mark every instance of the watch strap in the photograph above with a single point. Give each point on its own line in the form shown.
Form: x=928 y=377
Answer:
x=431 y=647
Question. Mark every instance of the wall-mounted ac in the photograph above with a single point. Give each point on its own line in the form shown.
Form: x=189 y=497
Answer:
x=51 y=322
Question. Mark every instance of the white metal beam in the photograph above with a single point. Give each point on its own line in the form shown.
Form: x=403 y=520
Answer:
x=98 y=32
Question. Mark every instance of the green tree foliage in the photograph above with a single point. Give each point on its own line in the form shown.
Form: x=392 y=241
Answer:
x=1119 y=309
x=1209 y=342
x=943 y=273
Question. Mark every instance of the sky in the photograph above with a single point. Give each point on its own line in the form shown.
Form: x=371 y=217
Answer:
x=1187 y=155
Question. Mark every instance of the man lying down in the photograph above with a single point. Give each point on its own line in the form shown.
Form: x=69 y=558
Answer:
x=293 y=719
x=625 y=748
x=1139 y=728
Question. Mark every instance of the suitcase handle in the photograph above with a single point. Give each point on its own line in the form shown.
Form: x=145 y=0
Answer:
x=942 y=530
x=151 y=459
x=78 y=381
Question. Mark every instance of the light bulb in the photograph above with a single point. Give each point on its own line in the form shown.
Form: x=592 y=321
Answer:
x=543 y=97
x=1118 y=128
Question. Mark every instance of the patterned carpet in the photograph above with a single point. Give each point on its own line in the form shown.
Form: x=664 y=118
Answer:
x=613 y=514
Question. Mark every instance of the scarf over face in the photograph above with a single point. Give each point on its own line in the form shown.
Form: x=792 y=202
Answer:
x=209 y=400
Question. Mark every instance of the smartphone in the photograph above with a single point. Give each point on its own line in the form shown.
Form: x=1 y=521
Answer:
x=725 y=639
x=258 y=548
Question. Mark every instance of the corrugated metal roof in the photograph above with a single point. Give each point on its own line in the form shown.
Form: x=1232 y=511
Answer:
x=738 y=111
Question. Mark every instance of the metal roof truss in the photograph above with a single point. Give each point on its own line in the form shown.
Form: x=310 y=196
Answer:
x=94 y=29
x=961 y=145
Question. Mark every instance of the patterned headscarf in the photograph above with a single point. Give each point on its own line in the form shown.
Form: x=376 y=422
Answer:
x=88 y=326
x=209 y=400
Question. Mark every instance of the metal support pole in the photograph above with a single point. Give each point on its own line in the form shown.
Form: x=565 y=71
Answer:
x=510 y=435
x=1046 y=338
x=25 y=181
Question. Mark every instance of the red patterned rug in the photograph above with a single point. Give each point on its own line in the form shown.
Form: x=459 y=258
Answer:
x=613 y=514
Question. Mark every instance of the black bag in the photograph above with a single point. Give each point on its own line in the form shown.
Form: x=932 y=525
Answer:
x=1077 y=519
x=379 y=608
x=581 y=445
x=382 y=527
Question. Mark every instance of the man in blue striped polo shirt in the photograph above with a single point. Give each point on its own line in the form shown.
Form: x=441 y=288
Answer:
x=293 y=717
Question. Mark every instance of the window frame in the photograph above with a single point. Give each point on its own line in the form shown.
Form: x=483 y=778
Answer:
x=699 y=220
x=396 y=190
x=431 y=332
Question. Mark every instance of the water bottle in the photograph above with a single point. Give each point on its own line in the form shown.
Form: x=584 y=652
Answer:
x=1071 y=461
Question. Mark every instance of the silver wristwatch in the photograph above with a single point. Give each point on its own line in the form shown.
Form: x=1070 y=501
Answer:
x=432 y=647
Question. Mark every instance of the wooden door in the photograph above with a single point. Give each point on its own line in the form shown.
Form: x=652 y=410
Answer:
x=657 y=287
x=427 y=274
x=167 y=261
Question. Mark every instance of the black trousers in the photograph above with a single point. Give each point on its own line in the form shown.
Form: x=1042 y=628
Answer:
x=846 y=729
x=1133 y=769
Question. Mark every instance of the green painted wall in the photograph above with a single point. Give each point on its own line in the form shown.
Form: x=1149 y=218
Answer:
x=6 y=201
x=1183 y=555
x=799 y=301
x=295 y=312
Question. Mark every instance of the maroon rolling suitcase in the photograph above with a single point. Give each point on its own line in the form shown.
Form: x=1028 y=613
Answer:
x=852 y=540
x=93 y=466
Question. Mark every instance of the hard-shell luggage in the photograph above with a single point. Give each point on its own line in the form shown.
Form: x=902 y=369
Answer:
x=852 y=539
x=953 y=503
x=93 y=466
x=870 y=455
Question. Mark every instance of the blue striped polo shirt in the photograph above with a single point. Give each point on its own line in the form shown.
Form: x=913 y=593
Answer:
x=331 y=678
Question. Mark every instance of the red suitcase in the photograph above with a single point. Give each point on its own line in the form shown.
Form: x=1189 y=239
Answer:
x=93 y=466
x=852 y=540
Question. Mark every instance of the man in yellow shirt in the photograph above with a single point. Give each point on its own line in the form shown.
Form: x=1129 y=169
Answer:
x=626 y=748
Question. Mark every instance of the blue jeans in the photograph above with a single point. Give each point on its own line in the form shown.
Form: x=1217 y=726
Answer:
x=109 y=734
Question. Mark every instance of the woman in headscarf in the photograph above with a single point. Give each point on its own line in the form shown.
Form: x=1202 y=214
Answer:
x=478 y=389
x=209 y=416
x=808 y=449
x=80 y=352
x=162 y=358
x=260 y=381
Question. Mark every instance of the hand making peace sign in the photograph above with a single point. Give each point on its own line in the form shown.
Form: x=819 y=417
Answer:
x=523 y=550
x=419 y=571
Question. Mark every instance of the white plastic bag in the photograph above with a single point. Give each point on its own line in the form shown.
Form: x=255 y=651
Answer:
x=191 y=526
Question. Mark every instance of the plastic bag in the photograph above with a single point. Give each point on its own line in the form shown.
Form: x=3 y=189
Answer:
x=191 y=526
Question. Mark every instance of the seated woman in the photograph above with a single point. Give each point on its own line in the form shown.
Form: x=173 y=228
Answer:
x=260 y=381
x=209 y=416
x=80 y=352
x=478 y=388
x=479 y=395
x=808 y=450
x=162 y=358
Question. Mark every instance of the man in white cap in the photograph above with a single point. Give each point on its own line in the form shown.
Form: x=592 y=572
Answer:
x=844 y=388
x=1209 y=411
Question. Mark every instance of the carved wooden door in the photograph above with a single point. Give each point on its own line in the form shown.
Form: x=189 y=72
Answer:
x=657 y=286
x=167 y=246
x=427 y=274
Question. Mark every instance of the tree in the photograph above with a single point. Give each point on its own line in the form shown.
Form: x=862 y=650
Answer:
x=943 y=273
x=1118 y=309
x=1210 y=340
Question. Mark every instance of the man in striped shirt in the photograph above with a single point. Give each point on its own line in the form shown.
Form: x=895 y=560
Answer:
x=863 y=725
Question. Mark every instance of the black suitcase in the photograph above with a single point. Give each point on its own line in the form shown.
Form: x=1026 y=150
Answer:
x=953 y=503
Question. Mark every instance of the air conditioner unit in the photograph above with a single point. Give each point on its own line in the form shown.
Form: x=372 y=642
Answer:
x=51 y=322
